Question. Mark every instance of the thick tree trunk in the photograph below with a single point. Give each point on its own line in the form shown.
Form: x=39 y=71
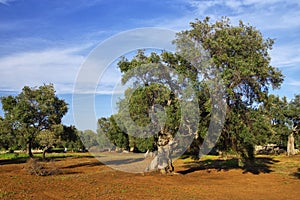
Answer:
x=165 y=144
x=44 y=152
x=163 y=160
x=291 y=145
x=29 y=149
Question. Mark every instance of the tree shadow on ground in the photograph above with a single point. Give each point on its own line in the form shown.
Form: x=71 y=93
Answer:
x=297 y=174
x=85 y=164
x=21 y=160
x=109 y=162
x=260 y=165
x=123 y=161
x=13 y=161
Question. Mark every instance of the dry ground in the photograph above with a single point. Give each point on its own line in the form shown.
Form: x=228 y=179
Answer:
x=86 y=178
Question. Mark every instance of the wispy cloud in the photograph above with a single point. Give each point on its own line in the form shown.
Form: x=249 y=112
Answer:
x=272 y=13
x=294 y=83
x=6 y=2
x=286 y=56
x=57 y=66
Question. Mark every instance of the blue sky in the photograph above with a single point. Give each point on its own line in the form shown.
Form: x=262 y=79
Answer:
x=47 y=41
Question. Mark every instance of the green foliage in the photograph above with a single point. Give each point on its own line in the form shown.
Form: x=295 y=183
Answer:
x=110 y=134
x=32 y=111
x=261 y=127
x=240 y=53
x=284 y=117
x=8 y=138
x=12 y=156
x=70 y=138
x=294 y=116
x=294 y=111
x=277 y=110
x=164 y=89
x=144 y=144
x=88 y=138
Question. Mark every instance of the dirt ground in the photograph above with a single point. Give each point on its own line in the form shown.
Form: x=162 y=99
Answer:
x=87 y=178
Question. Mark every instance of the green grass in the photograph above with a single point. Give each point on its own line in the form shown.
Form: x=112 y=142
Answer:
x=189 y=158
x=12 y=156
x=15 y=156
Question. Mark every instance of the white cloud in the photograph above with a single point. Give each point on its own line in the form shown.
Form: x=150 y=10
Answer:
x=6 y=2
x=286 y=56
x=58 y=66
x=265 y=15
x=294 y=83
x=268 y=14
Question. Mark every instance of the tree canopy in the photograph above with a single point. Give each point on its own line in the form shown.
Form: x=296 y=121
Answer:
x=236 y=56
x=33 y=111
x=241 y=56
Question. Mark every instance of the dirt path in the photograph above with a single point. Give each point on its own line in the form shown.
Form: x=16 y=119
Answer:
x=87 y=178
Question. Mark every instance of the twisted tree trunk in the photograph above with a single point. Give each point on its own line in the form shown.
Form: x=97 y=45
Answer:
x=164 y=153
x=163 y=160
x=291 y=145
x=44 y=152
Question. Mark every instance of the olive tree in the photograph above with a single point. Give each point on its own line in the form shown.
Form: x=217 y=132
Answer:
x=241 y=56
x=33 y=111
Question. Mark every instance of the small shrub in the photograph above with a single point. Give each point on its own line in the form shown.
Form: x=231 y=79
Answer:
x=34 y=167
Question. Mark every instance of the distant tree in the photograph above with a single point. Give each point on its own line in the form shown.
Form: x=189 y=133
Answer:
x=59 y=136
x=71 y=139
x=294 y=117
x=102 y=131
x=33 y=111
x=8 y=139
x=277 y=110
x=260 y=127
x=88 y=138
x=110 y=134
x=47 y=138
x=285 y=120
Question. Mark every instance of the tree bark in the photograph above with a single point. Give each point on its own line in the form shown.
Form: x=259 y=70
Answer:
x=291 y=145
x=29 y=148
x=163 y=160
x=44 y=152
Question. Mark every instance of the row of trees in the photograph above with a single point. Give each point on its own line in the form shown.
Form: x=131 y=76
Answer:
x=270 y=123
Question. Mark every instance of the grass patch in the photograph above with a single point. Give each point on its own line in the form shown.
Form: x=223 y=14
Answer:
x=191 y=158
x=14 y=156
x=11 y=156
x=64 y=155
